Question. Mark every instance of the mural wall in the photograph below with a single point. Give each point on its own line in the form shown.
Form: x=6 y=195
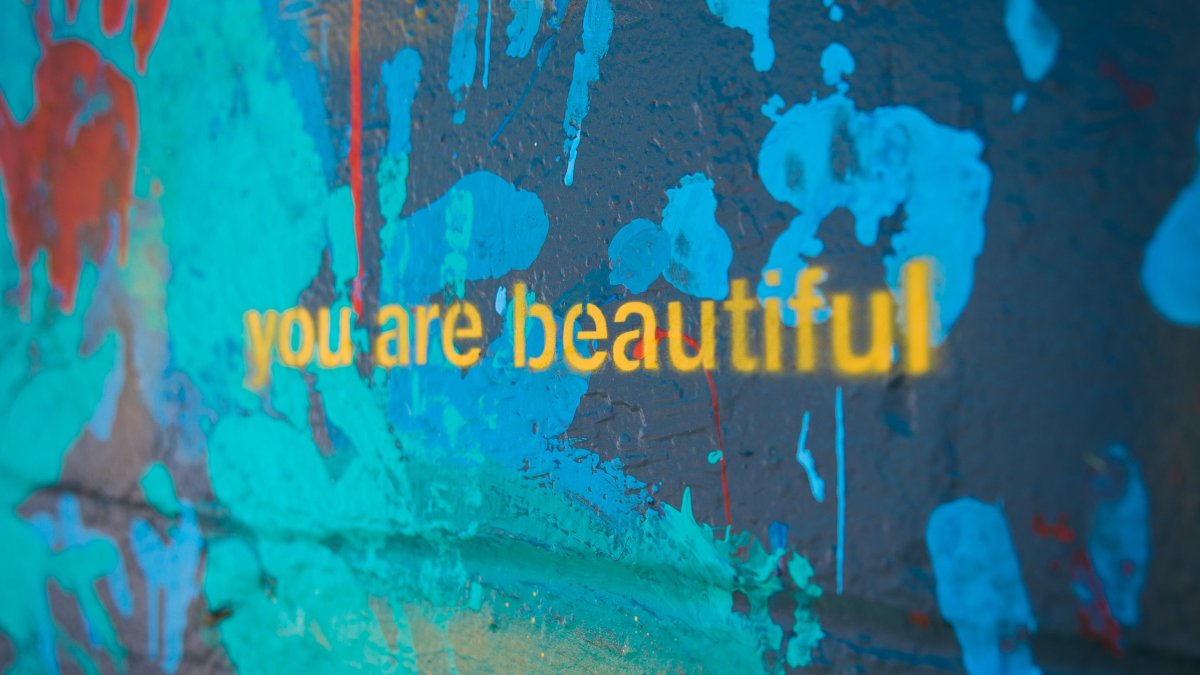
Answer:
x=227 y=444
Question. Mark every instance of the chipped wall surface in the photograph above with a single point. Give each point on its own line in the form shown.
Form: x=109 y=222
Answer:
x=169 y=503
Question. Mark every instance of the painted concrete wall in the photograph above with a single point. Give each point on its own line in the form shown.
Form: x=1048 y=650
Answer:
x=1026 y=504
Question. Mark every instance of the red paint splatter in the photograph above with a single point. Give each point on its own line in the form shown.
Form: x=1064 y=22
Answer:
x=356 y=149
x=1057 y=530
x=919 y=619
x=639 y=350
x=112 y=16
x=1138 y=95
x=1092 y=611
x=72 y=9
x=69 y=168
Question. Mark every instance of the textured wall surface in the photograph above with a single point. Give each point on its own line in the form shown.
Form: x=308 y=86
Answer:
x=167 y=166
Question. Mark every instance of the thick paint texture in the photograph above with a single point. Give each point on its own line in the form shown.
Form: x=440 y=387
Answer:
x=1169 y=268
x=979 y=587
x=1034 y=37
x=638 y=254
x=886 y=163
x=597 y=31
x=1119 y=543
x=754 y=17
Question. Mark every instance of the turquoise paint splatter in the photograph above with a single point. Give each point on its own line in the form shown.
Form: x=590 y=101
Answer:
x=21 y=53
x=825 y=154
x=597 y=31
x=401 y=76
x=715 y=456
x=1119 y=544
x=521 y=31
x=700 y=248
x=638 y=253
x=169 y=565
x=979 y=587
x=804 y=457
x=463 y=55
x=1169 y=268
x=754 y=17
x=1034 y=37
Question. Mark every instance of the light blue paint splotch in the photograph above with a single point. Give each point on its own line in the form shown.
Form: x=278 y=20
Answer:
x=521 y=31
x=824 y=155
x=979 y=587
x=1173 y=256
x=835 y=10
x=700 y=249
x=754 y=17
x=804 y=458
x=463 y=55
x=1119 y=542
x=638 y=254
x=1034 y=37
x=401 y=76
x=169 y=565
x=836 y=63
x=597 y=31
x=1019 y=100
x=491 y=226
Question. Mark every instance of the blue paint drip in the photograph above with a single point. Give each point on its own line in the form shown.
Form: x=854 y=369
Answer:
x=170 y=568
x=805 y=458
x=754 y=17
x=487 y=45
x=700 y=249
x=638 y=253
x=401 y=76
x=1119 y=544
x=69 y=532
x=1034 y=37
x=521 y=31
x=777 y=535
x=897 y=157
x=841 y=462
x=597 y=31
x=463 y=54
x=979 y=587
x=1169 y=267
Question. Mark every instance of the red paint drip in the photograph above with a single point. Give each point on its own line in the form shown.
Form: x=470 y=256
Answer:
x=1092 y=611
x=356 y=149
x=1138 y=95
x=112 y=16
x=72 y=9
x=639 y=350
x=69 y=168
x=147 y=24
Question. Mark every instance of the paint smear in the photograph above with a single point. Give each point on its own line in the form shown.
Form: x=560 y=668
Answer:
x=700 y=249
x=979 y=587
x=836 y=63
x=1119 y=543
x=1169 y=268
x=597 y=31
x=521 y=31
x=825 y=154
x=1034 y=37
x=754 y=17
